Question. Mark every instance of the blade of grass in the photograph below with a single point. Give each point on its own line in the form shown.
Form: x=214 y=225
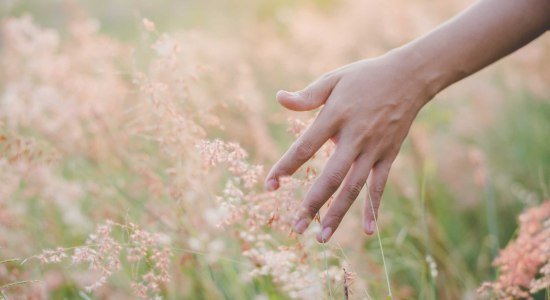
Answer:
x=325 y=246
x=380 y=243
x=426 y=232
x=9 y=285
x=491 y=215
x=9 y=260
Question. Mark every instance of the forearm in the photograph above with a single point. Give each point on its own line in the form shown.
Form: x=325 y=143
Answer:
x=481 y=35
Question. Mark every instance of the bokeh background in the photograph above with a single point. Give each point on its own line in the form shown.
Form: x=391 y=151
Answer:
x=133 y=135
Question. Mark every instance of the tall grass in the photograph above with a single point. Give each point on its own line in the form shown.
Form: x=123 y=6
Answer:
x=131 y=156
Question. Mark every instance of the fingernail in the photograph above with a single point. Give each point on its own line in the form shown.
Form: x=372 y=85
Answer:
x=326 y=233
x=300 y=226
x=271 y=185
x=288 y=94
x=370 y=227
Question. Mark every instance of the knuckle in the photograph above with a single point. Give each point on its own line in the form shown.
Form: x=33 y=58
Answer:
x=310 y=209
x=377 y=191
x=333 y=219
x=303 y=150
x=277 y=170
x=353 y=190
x=306 y=94
x=333 y=180
x=376 y=205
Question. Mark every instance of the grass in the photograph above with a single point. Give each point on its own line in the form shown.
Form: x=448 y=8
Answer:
x=426 y=212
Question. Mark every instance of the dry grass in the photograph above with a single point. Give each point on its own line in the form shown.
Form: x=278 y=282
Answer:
x=134 y=168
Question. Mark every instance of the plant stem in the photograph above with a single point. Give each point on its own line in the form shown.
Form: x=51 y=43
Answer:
x=380 y=243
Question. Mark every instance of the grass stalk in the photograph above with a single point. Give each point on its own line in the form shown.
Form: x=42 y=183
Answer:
x=390 y=295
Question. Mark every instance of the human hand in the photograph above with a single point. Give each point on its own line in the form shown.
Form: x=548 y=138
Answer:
x=368 y=109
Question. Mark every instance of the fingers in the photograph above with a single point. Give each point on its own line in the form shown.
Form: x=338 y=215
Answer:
x=335 y=170
x=376 y=184
x=319 y=132
x=302 y=150
x=309 y=98
x=353 y=184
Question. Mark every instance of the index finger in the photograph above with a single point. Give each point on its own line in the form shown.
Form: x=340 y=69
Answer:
x=301 y=150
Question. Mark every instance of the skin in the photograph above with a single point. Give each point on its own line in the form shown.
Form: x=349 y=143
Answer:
x=368 y=106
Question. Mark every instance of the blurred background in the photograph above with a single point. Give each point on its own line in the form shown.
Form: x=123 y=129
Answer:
x=133 y=135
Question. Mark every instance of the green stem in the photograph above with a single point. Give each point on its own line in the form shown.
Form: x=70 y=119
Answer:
x=380 y=243
x=491 y=214
x=9 y=285
x=426 y=231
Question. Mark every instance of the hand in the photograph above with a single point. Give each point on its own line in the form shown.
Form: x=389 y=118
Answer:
x=368 y=109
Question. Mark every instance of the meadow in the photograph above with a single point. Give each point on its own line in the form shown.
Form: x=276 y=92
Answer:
x=135 y=137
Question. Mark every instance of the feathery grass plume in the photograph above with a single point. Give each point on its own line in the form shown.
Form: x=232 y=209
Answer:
x=168 y=134
x=105 y=252
x=524 y=263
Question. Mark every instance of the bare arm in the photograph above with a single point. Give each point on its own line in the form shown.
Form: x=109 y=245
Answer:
x=476 y=38
x=369 y=105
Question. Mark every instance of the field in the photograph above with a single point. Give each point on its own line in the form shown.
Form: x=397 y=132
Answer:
x=135 y=137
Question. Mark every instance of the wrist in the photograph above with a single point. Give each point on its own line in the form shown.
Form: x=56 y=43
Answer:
x=427 y=72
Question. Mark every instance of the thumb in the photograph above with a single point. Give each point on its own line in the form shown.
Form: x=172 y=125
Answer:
x=313 y=96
